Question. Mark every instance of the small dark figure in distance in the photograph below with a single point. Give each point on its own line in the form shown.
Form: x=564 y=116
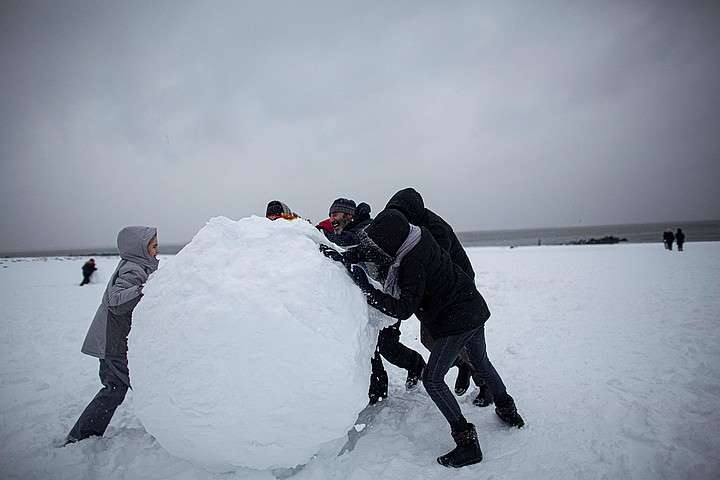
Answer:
x=680 y=239
x=668 y=239
x=87 y=270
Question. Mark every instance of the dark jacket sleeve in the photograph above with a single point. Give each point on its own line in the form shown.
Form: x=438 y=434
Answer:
x=344 y=238
x=412 y=288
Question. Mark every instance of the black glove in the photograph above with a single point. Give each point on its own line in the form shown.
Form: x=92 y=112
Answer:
x=360 y=278
x=351 y=256
x=331 y=253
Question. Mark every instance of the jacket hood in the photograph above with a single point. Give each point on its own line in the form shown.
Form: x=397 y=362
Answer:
x=388 y=231
x=132 y=243
x=362 y=212
x=409 y=202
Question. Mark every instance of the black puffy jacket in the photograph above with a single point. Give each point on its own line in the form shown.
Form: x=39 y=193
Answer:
x=432 y=286
x=410 y=203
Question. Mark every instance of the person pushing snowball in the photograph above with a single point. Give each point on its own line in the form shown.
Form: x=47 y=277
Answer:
x=423 y=280
x=107 y=337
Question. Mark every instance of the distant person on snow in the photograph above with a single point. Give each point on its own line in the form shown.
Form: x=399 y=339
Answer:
x=107 y=337
x=410 y=203
x=668 y=239
x=424 y=281
x=87 y=270
x=680 y=239
x=277 y=209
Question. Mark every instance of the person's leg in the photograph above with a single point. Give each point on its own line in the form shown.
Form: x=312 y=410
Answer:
x=400 y=355
x=484 y=369
x=378 y=380
x=466 y=370
x=504 y=403
x=97 y=415
x=444 y=352
x=442 y=357
x=462 y=362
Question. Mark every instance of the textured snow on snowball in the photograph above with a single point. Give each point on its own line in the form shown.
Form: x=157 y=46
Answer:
x=249 y=347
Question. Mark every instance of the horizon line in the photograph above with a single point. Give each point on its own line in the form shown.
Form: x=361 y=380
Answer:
x=106 y=250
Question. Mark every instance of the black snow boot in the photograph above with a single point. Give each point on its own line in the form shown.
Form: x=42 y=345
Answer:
x=506 y=410
x=462 y=383
x=378 y=391
x=413 y=377
x=467 y=451
x=484 y=397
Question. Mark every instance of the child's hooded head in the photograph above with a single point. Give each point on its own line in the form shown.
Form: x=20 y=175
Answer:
x=133 y=244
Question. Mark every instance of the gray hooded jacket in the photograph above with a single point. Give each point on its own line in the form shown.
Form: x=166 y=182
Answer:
x=107 y=336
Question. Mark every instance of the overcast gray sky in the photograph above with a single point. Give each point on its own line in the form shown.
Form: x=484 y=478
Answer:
x=502 y=114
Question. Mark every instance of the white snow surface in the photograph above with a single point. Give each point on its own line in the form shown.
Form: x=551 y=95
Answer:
x=246 y=307
x=611 y=352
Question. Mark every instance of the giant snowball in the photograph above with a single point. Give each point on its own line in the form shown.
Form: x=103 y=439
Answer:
x=249 y=347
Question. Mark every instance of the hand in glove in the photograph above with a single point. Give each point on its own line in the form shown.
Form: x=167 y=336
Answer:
x=360 y=278
x=351 y=256
x=331 y=253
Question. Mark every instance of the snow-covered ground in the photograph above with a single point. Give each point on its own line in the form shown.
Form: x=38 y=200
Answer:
x=611 y=352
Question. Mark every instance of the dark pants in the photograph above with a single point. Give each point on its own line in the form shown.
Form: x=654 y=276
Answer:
x=462 y=360
x=444 y=352
x=389 y=346
x=86 y=280
x=96 y=416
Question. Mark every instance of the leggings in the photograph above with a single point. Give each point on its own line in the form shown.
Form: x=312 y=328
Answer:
x=444 y=352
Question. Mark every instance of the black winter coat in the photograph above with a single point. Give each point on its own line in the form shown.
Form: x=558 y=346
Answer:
x=436 y=290
x=410 y=203
x=88 y=269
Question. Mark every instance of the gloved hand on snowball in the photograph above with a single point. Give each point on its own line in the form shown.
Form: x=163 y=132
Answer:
x=331 y=253
x=347 y=258
x=361 y=279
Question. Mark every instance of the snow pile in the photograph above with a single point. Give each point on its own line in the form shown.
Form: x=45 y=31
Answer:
x=250 y=348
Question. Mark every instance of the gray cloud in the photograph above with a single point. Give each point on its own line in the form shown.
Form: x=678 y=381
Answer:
x=504 y=115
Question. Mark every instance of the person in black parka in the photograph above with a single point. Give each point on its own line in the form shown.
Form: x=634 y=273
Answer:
x=410 y=203
x=668 y=239
x=680 y=239
x=87 y=270
x=424 y=281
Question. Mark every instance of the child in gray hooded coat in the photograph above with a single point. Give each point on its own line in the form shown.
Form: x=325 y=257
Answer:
x=107 y=337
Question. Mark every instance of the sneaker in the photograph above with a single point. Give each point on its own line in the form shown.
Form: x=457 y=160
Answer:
x=467 y=451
